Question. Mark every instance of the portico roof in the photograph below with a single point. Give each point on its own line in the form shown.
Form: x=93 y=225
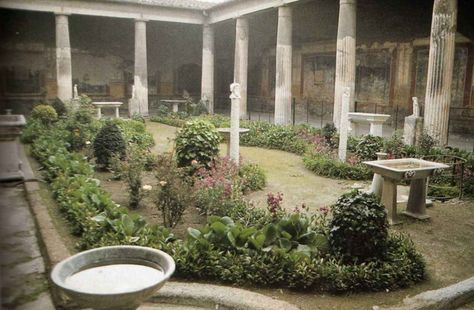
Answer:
x=183 y=4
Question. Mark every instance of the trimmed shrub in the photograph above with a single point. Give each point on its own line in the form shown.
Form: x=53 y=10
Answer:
x=358 y=228
x=107 y=143
x=367 y=146
x=199 y=141
x=59 y=106
x=45 y=114
x=324 y=164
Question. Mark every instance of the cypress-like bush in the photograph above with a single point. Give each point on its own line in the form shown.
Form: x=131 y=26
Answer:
x=107 y=143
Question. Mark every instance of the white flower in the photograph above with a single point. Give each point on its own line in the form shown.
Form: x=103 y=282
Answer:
x=147 y=187
x=163 y=183
x=88 y=142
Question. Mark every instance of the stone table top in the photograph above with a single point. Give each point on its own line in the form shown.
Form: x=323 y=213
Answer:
x=174 y=100
x=367 y=117
x=227 y=130
x=112 y=104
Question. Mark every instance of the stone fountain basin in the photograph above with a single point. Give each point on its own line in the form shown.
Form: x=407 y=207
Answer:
x=361 y=117
x=11 y=125
x=405 y=168
x=123 y=290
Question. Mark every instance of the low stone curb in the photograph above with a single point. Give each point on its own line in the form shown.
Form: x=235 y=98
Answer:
x=216 y=297
x=173 y=293
x=450 y=297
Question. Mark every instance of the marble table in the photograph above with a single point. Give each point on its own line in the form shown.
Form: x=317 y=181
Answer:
x=226 y=133
x=413 y=169
x=107 y=104
x=375 y=120
x=174 y=102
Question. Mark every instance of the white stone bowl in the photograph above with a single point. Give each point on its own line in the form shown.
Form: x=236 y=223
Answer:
x=112 y=255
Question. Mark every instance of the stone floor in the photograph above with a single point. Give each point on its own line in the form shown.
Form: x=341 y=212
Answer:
x=23 y=280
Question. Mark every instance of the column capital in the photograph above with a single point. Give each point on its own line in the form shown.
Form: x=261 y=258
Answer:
x=284 y=11
x=348 y=2
x=141 y=19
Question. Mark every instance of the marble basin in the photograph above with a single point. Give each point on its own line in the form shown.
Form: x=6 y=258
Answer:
x=11 y=126
x=115 y=277
x=405 y=168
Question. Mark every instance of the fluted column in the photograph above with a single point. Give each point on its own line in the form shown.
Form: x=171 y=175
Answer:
x=283 y=66
x=207 y=79
x=345 y=56
x=440 y=70
x=140 y=80
x=63 y=58
x=241 y=61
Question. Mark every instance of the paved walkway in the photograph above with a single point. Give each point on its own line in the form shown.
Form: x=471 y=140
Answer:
x=24 y=282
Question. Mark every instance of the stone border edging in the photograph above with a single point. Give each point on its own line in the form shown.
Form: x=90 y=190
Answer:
x=178 y=293
x=217 y=297
x=449 y=297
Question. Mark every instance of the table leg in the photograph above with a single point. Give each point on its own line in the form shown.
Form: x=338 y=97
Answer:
x=376 y=129
x=99 y=113
x=416 y=205
x=389 y=200
x=175 y=107
x=117 y=113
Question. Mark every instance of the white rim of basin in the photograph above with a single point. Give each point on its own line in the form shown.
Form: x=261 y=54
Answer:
x=368 y=117
x=57 y=278
x=427 y=164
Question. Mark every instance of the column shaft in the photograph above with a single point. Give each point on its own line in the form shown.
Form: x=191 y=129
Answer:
x=207 y=80
x=241 y=61
x=440 y=70
x=283 y=66
x=63 y=58
x=141 y=72
x=345 y=56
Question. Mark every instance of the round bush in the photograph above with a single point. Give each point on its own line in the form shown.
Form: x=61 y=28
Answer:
x=197 y=140
x=108 y=142
x=359 y=228
x=45 y=113
x=367 y=146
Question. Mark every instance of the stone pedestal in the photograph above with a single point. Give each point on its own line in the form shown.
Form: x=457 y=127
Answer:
x=10 y=163
x=440 y=70
x=241 y=61
x=344 y=125
x=234 y=122
x=283 y=67
x=63 y=58
x=207 y=79
x=140 y=80
x=345 y=56
x=412 y=129
x=226 y=134
x=416 y=205
x=377 y=180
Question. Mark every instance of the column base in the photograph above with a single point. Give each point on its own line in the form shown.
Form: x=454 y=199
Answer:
x=416 y=216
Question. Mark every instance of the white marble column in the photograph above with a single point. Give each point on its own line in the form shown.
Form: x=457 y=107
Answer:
x=207 y=79
x=345 y=56
x=63 y=58
x=241 y=61
x=283 y=67
x=344 y=126
x=440 y=70
x=140 y=81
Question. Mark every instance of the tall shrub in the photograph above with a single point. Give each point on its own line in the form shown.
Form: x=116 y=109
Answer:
x=199 y=141
x=108 y=142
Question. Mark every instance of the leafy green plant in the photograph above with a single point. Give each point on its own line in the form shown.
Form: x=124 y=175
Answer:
x=367 y=146
x=426 y=144
x=131 y=169
x=107 y=143
x=45 y=114
x=326 y=165
x=199 y=141
x=253 y=177
x=359 y=228
x=395 y=146
x=174 y=193
x=329 y=132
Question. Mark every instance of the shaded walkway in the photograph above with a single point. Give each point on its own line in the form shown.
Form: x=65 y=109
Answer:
x=285 y=173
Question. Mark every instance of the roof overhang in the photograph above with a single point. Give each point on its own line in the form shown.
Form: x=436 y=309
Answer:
x=228 y=10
